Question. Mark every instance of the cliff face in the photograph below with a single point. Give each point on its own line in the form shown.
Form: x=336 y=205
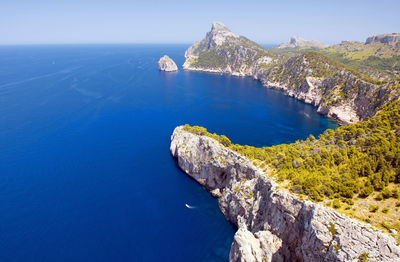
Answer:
x=273 y=225
x=222 y=51
x=167 y=64
x=336 y=90
x=393 y=38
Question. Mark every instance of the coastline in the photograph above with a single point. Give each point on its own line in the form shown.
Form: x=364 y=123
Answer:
x=273 y=222
x=343 y=115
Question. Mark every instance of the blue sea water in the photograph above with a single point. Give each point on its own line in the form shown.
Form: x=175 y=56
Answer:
x=85 y=168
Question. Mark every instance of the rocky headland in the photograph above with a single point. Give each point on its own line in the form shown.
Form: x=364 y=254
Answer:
x=167 y=64
x=339 y=91
x=274 y=224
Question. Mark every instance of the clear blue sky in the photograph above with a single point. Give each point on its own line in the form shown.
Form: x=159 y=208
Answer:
x=176 y=21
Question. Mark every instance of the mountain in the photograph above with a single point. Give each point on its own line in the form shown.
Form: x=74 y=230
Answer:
x=338 y=90
x=393 y=38
x=300 y=42
x=222 y=51
x=309 y=200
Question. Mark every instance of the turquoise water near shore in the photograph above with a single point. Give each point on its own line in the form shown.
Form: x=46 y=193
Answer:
x=85 y=168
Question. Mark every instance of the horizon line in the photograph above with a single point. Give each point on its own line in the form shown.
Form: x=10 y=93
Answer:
x=112 y=43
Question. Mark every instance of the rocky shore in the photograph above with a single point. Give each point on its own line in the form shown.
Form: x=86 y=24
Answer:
x=273 y=224
x=337 y=91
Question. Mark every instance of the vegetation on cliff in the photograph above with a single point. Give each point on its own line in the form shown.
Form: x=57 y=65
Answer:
x=228 y=54
x=315 y=64
x=378 y=60
x=354 y=169
x=202 y=131
x=356 y=159
x=356 y=163
x=209 y=59
x=349 y=81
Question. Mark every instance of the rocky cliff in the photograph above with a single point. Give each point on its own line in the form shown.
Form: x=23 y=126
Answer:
x=222 y=51
x=393 y=38
x=167 y=64
x=337 y=90
x=273 y=224
x=300 y=42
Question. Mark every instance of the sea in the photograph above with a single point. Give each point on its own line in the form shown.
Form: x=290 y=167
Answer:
x=85 y=168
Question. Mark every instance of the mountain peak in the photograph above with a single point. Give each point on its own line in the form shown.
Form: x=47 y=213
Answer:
x=218 y=26
x=219 y=34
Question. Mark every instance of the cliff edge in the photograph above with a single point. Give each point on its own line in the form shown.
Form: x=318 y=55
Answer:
x=273 y=224
x=339 y=92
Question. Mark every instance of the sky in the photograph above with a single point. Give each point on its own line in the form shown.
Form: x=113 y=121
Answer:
x=186 y=21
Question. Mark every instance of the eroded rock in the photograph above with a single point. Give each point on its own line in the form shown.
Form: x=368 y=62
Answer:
x=273 y=224
x=167 y=64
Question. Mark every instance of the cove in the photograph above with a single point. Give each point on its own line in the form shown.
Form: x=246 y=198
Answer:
x=85 y=168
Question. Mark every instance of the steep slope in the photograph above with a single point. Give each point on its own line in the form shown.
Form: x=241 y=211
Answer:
x=273 y=224
x=378 y=57
x=222 y=51
x=337 y=90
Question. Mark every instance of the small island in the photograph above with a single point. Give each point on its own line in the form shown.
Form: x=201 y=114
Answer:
x=167 y=64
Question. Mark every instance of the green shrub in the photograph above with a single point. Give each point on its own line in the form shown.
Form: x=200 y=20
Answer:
x=366 y=191
x=224 y=140
x=386 y=193
x=332 y=229
x=373 y=208
x=352 y=159
x=210 y=59
x=395 y=193
x=336 y=204
x=364 y=257
x=386 y=226
x=379 y=197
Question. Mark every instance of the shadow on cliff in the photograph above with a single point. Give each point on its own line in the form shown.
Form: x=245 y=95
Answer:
x=299 y=242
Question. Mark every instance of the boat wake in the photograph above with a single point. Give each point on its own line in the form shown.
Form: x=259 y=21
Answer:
x=189 y=206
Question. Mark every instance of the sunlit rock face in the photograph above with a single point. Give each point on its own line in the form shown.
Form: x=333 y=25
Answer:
x=167 y=64
x=337 y=91
x=273 y=224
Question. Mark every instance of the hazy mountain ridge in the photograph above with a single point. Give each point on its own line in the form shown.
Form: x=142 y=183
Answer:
x=300 y=42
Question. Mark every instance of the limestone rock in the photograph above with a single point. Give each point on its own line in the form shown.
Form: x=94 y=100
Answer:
x=300 y=42
x=392 y=38
x=273 y=225
x=340 y=94
x=222 y=51
x=259 y=247
x=167 y=64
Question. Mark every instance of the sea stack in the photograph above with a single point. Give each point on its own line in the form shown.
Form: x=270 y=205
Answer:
x=167 y=64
